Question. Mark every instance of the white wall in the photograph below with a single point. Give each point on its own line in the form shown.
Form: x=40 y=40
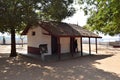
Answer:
x=39 y=38
x=65 y=44
x=78 y=42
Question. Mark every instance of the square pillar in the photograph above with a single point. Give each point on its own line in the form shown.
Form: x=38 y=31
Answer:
x=59 y=48
x=81 y=46
x=89 y=47
x=96 y=44
x=72 y=45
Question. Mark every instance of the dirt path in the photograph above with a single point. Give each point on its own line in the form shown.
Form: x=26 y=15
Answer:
x=7 y=48
x=103 y=66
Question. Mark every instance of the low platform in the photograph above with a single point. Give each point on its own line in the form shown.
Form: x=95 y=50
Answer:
x=115 y=44
x=52 y=58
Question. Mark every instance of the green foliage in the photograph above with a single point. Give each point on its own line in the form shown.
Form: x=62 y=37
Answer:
x=104 y=15
x=87 y=26
x=59 y=9
x=16 y=14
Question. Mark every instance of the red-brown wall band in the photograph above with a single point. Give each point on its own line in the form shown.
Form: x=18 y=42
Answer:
x=33 y=50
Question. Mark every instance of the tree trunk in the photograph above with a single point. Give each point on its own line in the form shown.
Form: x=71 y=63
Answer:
x=13 y=43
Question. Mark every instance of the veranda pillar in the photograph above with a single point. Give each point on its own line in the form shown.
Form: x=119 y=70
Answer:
x=81 y=46
x=59 y=48
x=96 y=44
x=89 y=47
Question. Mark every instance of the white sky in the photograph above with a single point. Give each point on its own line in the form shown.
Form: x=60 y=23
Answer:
x=77 y=18
x=80 y=19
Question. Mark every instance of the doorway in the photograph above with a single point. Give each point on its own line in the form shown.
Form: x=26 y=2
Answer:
x=72 y=47
x=54 y=45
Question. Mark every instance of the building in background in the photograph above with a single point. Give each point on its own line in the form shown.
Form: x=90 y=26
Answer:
x=59 y=37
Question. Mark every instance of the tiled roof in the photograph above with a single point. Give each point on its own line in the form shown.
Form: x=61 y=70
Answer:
x=64 y=29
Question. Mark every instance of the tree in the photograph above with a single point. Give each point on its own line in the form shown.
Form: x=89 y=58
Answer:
x=59 y=9
x=16 y=14
x=104 y=15
x=13 y=15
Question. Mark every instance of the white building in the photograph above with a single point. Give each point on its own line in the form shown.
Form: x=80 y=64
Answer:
x=58 y=37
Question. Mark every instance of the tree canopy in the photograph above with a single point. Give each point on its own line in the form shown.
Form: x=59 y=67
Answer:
x=59 y=9
x=104 y=15
x=16 y=14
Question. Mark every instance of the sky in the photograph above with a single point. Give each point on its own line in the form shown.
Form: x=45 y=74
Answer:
x=78 y=18
x=81 y=19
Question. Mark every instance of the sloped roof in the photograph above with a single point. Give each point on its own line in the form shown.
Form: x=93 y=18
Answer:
x=64 y=29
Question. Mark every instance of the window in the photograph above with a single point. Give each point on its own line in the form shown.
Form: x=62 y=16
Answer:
x=33 y=33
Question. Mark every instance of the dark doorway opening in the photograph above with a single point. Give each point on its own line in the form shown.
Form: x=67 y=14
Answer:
x=72 y=47
x=54 y=45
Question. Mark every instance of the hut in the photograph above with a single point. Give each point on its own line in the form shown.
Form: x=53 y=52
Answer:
x=57 y=37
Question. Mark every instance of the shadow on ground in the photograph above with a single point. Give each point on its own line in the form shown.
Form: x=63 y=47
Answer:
x=25 y=68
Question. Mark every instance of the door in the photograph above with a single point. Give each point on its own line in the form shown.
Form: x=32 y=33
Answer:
x=54 y=45
x=72 y=48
